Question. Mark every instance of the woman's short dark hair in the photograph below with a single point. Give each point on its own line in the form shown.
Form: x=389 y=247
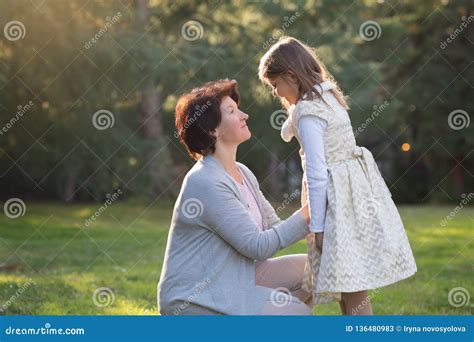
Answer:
x=198 y=113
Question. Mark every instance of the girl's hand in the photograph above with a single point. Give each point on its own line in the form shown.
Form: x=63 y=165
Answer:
x=318 y=239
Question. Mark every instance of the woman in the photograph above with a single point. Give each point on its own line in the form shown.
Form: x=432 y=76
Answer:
x=223 y=229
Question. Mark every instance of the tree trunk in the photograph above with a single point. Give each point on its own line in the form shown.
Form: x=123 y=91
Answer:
x=155 y=157
x=152 y=131
x=69 y=187
x=458 y=176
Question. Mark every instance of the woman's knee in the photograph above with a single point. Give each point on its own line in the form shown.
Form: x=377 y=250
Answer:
x=285 y=305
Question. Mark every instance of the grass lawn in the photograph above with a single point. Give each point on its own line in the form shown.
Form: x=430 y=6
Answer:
x=51 y=263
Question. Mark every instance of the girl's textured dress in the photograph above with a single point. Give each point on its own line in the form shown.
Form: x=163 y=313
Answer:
x=365 y=245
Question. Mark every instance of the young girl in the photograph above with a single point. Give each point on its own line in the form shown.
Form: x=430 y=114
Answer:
x=359 y=242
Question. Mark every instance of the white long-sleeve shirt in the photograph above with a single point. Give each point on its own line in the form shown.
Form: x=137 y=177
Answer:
x=311 y=131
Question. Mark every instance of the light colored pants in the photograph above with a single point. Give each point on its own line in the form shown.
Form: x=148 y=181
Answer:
x=285 y=275
x=189 y=309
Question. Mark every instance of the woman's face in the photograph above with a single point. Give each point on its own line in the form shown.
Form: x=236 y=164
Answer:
x=233 y=128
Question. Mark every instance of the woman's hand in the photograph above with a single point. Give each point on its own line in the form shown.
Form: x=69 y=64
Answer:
x=304 y=201
x=318 y=239
x=304 y=193
x=305 y=212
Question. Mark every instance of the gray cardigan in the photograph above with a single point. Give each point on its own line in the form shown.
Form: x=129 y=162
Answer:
x=213 y=243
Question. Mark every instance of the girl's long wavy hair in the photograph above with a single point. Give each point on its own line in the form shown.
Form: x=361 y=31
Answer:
x=289 y=54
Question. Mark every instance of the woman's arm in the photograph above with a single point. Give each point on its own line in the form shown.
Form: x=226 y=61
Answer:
x=224 y=214
x=311 y=130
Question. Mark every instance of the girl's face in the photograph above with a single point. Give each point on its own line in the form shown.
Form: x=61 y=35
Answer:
x=232 y=129
x=285 y=87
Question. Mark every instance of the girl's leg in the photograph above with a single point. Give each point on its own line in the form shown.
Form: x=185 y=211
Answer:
x=342 y=306
x=356 y=303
